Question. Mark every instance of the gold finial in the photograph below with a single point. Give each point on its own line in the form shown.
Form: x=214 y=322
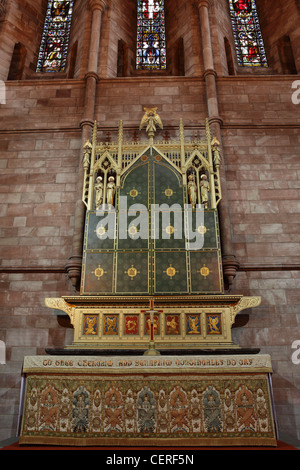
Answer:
x=215 y=142
x=87 y=145
x=95 y=132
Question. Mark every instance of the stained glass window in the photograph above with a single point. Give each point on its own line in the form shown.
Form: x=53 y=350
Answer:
x=247 y=34
x=55 y=40
x=151 y=41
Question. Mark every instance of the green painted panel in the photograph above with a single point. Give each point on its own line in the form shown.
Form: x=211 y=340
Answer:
x=132 y=273
x=133 y=233
x=205 y=272
x=208 y=228
x=149 y=254
x=99 y=234
x=98 y=273
x=171 y=272
x=169 y=230
x=133 y=227
x=135 y=184
x=168 y=187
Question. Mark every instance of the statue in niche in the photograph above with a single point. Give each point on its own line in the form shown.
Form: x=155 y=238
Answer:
x=99 y=191
x=216 y=151
x=192 y=191
x=204 y=190
x=110 y=191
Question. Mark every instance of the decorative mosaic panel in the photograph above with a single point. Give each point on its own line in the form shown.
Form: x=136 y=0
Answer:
x=172 y=324
x=156 y=325
x=131 y=324
x=214 y=324
x=111 y=325
x=193 y=324
x=90 y=324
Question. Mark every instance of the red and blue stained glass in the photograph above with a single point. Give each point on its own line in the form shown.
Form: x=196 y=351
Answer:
x=247 y=34
x=151 y=41
x=55 y=40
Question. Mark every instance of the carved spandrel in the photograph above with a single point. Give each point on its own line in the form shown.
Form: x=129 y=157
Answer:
x=243 y=304
x=61 y=304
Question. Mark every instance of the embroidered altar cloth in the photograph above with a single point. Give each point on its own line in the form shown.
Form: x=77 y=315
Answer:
x=151 y=401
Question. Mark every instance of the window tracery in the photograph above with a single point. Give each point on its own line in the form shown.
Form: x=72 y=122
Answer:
x=55 y=39
x=247 y=34
x=151 y=41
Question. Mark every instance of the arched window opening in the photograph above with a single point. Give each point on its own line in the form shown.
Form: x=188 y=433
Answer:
x=122 y=60
x=229 y=59
x=286 y=56
x=151 y=41
x=180 y=57
x=73 y=57
x=55 y=39
x=247 y=34
x=17 y=62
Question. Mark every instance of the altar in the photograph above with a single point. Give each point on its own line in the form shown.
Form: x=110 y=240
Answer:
x=153 y=361
x=151 y=251
x=166 y=400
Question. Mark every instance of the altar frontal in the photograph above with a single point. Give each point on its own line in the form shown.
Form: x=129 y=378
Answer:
x=166 y=400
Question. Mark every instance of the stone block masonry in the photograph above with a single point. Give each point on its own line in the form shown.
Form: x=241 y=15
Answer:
x=40 y=151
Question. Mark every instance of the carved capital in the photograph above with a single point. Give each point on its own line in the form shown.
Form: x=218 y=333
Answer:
x=92 y=75
x=97 y=5
x=203 y=3
x=86 y=122
x=209 y=72
x=215 y=120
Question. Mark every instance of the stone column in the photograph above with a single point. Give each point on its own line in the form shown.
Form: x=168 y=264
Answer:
x=73 y=266
x=230 y=263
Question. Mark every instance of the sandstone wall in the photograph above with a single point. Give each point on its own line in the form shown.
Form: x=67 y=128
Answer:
x=40 y=141
x=40 y=152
